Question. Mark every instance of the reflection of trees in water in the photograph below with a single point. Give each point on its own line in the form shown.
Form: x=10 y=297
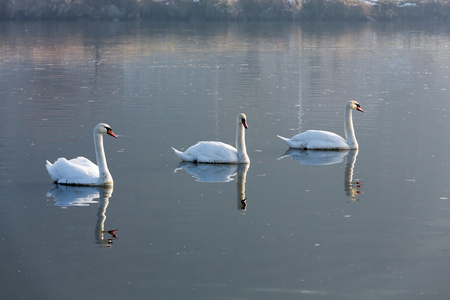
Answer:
x=65 y=196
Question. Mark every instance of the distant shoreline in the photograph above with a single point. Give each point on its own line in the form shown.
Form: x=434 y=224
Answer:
x=225 y=10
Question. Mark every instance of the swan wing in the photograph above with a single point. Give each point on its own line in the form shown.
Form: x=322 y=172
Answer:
x=79 y=170
x=209 y=152
x=317 y=139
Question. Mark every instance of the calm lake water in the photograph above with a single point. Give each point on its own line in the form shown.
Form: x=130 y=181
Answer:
x=373 y=224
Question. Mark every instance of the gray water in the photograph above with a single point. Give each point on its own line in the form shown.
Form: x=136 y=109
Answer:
x=372 y=224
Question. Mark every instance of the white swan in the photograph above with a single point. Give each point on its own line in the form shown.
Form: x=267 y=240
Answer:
x=325 y=140
x=80 y=170
x=218 y=152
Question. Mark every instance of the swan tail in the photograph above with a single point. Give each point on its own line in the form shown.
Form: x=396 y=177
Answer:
x=292 y=144
x=48 y=166
x=182 y=155
x=286 y=140
x=283 y=138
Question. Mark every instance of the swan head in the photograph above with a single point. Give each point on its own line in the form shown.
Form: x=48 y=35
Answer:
x=242 y=119
x=103 y=128
x=354 y=105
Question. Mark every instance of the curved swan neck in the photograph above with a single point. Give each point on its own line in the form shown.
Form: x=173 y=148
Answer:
x=240 y=144
x=349 y=131
x=104 y=175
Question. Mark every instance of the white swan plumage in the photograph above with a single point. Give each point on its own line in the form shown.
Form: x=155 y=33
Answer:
x=81 y=171
x=218 y=152
x=325 y=140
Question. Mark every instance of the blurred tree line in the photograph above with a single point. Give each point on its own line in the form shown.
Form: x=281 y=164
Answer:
x=220 y=10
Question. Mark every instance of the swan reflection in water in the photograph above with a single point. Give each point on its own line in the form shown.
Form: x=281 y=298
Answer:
x=317 y=157
x=352 y=188
x=220 y=173
x=65 y=196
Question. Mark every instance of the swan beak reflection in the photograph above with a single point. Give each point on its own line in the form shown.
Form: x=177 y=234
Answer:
x=113 y=234
x=242 y=205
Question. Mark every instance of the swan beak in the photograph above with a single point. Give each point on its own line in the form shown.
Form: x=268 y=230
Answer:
x=359 y=108
x=109 y=131
x=245 y=124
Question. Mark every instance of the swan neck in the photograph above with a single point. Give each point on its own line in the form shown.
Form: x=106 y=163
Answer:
x=104 y=175
x=349 y=131
x=240 y=144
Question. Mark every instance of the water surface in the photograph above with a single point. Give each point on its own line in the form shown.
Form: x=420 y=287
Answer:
x=369 y=224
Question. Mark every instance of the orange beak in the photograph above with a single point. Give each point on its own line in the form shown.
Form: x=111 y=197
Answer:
x=109 y=131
